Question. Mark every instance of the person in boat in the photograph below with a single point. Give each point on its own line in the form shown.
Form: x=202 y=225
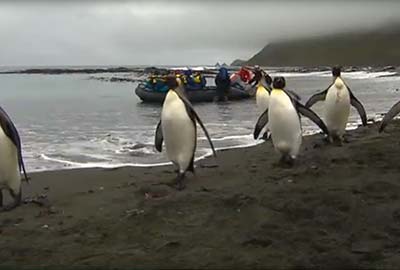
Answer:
x=223 y=83
x=195 y=81
x=187 y=77
x=196 y=77
x=241 y=78
x=156 y=83
x=199 y=79
x=161 y=84
x=244 y=74
x=150 y=82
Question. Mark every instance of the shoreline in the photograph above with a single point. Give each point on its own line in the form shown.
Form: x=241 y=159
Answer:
x=353 y=127
x=150 y=165
x=338 y=207
x=205 y=157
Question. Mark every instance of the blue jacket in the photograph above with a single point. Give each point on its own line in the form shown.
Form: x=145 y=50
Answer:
x=223 y=80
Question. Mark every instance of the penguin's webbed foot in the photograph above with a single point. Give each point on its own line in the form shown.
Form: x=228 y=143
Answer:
x=337 y=140
x=327 y=140
x=17 y=201
x=180 y=185
x=345 y=139
x=10 y=206
x=286 y=161
x=266 y=136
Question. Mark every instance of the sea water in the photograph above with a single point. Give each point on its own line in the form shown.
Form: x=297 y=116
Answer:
x=72 y=121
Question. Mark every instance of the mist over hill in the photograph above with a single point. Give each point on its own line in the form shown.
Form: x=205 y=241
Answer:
x=378 y=47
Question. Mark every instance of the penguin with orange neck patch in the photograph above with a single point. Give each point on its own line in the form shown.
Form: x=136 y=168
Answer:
x=338 y=98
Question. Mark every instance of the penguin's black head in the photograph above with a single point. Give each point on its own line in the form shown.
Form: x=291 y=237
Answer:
x=279 y=83
x=336 y=71
x=268 y=79
x=171 y=82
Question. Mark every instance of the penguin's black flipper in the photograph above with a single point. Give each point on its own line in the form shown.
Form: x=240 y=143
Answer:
x=389 y=116
x=193 y=115
x=159 y=137
x=261 y=122
x=360 y=108
x=292 y=94
x=11 y=131
x=317 y=97
x=312 y=116
x=204 y=129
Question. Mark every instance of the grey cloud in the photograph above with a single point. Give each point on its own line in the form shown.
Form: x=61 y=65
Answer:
x=168 y=32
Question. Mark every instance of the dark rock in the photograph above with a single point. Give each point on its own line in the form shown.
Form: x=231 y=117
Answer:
x=57 y=71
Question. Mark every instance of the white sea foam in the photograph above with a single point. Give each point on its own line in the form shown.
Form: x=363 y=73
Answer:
x=351 y=75
x=75 y=165
x=367 y=75
x=247 y=141
x=233 y=137
x=301 y=74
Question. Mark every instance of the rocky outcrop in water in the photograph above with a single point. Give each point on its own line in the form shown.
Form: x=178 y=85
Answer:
x=56 y=71
x=115 y=79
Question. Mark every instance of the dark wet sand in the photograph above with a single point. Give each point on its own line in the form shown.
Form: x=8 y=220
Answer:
x=339 y=207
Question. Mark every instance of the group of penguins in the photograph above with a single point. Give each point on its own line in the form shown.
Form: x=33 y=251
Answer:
x=281 y=110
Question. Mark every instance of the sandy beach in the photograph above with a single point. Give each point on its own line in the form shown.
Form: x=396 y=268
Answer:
x=338 y=207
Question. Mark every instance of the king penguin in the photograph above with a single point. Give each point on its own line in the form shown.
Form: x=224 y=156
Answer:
x=262 y=94
x=177 y=128
x=283 y=117
x=395 y=110
x=338 y=98
x=262 y=97
x=11 y=162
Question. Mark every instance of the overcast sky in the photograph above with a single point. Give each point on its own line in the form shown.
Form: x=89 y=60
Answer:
x=168 y=32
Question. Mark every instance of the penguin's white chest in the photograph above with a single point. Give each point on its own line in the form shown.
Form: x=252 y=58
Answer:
x=178 y=130
x=9 y=169
x=337 y=107
x=284 y=124
x=262 y=99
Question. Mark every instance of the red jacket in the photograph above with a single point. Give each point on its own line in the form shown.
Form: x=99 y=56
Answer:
x=245 y=75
